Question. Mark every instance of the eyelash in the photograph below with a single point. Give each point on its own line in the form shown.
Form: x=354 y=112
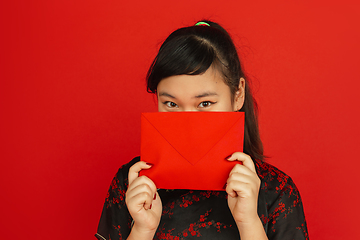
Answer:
x=168 y=104
x=207 y=102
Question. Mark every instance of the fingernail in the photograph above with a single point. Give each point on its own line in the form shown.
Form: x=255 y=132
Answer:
x=150 y=206
x=224 y=187
x=154 y=196
x=227 y=158
x=150 y=164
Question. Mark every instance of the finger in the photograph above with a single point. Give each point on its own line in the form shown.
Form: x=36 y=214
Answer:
x=239 y=168
x=240 y=181
x=139 y=188
x=244 y=158
x=246 y=177
x=143 y=182
x=140 y=196
x=236 y=188
x=135 y=169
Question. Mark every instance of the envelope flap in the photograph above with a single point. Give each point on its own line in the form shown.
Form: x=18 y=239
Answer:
x=194 y=139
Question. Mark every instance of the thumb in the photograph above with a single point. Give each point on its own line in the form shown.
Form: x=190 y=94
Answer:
x=135 y=169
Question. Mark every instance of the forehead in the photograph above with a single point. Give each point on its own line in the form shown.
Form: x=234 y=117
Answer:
x=210 y=80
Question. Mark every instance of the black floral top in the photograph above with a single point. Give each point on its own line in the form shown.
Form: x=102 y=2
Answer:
x=189 y=214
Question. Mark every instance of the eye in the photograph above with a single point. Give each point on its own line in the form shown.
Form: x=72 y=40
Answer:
x=206 y=104
x=170 y=104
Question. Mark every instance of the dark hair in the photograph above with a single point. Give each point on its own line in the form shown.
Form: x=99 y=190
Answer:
x=192 y=50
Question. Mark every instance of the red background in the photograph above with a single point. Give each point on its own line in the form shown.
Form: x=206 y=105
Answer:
x=72 y=90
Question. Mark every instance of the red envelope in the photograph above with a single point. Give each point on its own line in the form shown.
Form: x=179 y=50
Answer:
x=188 y=149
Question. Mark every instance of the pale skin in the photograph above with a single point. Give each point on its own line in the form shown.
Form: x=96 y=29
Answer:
x=204 y=92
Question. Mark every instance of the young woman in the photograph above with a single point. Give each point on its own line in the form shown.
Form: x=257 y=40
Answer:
x=198 y=69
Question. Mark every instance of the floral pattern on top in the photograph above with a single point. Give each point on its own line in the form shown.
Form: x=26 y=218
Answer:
x=190 y=214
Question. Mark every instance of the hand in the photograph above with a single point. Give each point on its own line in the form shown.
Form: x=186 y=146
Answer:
x=243 y=187
x=143 y=201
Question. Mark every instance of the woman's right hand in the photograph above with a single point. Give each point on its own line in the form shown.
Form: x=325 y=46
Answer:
x=143 y=203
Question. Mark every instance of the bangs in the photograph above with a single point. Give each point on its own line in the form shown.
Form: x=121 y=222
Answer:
x=188 y=55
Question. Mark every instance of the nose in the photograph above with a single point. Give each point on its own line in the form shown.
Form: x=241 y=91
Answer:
x=190 y=109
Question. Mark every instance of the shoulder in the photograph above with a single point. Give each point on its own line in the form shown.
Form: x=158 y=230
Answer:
x=285 y=214
x=268 y=172
x=124 y=169
x=115 y=219
x=276 y=183
x=119 y=185
x=122 y=174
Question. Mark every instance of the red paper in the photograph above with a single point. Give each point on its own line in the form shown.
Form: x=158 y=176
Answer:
x=188 y=149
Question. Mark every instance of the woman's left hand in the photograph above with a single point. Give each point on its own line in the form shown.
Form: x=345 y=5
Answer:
x=243 y=187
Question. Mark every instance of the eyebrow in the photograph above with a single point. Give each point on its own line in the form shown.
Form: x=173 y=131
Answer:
x=206 y=94
x=166 y=95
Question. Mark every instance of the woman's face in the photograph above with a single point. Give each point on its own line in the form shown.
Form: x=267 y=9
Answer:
x=204 y=92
